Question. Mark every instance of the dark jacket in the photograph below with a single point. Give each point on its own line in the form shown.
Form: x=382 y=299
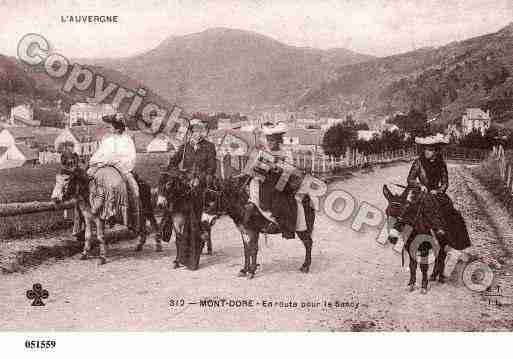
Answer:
x=199 y=162
x=433 y=175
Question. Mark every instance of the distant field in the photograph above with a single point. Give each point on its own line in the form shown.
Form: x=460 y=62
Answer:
x=24 y=184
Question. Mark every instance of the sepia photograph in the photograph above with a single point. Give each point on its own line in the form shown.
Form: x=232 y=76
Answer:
x=255 y=166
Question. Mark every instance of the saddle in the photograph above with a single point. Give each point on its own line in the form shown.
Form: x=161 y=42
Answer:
x=115 y=197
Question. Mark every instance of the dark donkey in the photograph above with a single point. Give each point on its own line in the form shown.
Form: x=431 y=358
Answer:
x=231 y=198
x=183 y=206
x=420 y=237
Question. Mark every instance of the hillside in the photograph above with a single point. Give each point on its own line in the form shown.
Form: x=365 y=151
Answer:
x=439 y=81
x=230 y=70
x=20 y=83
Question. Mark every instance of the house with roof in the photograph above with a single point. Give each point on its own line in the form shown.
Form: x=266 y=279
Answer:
x=475 y=119
x=367 y=135
x=89 y=113
x=23 y=115
x=237 y=143
x=83 y=140
x=31 y=136
x=301 y=139
x=160 y=143
x=17 y=155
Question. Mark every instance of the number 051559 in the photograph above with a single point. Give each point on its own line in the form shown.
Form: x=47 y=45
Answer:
x=40 y=344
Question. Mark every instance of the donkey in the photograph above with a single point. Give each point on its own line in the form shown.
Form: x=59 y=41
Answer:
x=231 y=199
x=183 y=206
x=396 y=203
x=109 y=184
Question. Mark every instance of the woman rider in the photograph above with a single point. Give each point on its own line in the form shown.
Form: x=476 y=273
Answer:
x=429 y=173
x=290 y=212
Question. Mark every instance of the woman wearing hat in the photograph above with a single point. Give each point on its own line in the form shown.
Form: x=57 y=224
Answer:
x=429 y=173
x=197 y=156
x=292 y=214
x=118 y=150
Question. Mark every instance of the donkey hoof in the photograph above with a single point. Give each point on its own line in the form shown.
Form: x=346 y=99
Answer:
x=102 y=261
x=242 y=273
x=411 y=287
x=158 y=248
x=139 y=248
x=442 y=279
x=83 y=256
x=176 y=265
x=304 y=268
x=392 y=240
x=423 y=290
x=433 y=277
x=251 y=275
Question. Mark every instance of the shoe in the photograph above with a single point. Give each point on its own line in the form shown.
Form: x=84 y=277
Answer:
x=271 y=228
x=80 y=236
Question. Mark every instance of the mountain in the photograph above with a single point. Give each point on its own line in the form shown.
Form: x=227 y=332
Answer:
x=441 y=81
x=21 y=83
x=231 y=70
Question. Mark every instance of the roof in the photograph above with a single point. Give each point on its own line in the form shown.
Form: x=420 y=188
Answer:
x=477 y=114
x=306 y=136
x=19 y=132
x=84 y=106
x=366 y=135
x=247 y=137
x=89 y=133
x=27 y=121
x=141 y=139
x=28 y=153
x=3 y=149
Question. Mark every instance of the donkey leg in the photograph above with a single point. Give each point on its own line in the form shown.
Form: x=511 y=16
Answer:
x=308 y=243
x=155 y=229
x=245 y=269
x=87 y=236
x=413 y=274
x=253 y=253
x=440 y=262
x=424 y=265
x=100 y=229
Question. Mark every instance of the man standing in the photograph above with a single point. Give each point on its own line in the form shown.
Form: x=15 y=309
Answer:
x=197 y=156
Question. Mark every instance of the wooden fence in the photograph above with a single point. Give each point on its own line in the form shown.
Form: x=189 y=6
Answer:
x=310 y=163
x=462 y=154
x=505 y=166
x=323 y=164
x=49 y=157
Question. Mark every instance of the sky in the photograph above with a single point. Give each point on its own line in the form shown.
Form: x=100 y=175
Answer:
x=378 y=27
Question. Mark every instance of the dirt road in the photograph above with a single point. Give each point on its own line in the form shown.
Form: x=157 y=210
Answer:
x=133 y=291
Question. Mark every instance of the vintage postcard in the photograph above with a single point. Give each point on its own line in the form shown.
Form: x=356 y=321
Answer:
x=256 y=166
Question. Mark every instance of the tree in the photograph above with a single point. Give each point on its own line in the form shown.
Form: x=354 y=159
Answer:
x=337 y=138
x=413 y=123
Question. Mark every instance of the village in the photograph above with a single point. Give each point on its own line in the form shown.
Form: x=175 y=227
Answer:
x=24 y=142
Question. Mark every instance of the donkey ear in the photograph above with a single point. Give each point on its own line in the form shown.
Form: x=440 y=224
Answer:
x=386 y=192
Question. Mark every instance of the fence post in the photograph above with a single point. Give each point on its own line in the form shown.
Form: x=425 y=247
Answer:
x=508 y=182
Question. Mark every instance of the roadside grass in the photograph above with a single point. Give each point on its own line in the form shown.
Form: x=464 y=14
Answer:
x=488 y=175
x=25 y=184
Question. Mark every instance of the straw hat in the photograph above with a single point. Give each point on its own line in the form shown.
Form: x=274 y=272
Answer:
x=435 y=140
x=278 y=129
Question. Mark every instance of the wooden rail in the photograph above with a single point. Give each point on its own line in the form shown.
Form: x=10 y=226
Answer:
x=19 y=208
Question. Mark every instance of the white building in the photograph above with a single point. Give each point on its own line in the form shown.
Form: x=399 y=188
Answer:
x=83 y=139
x=367 y=135
x=475 y=119
x=16 y=155
x=23 y=115
x=160 y=143
x=89 y=113
x=30 y=136
x=300 y=139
